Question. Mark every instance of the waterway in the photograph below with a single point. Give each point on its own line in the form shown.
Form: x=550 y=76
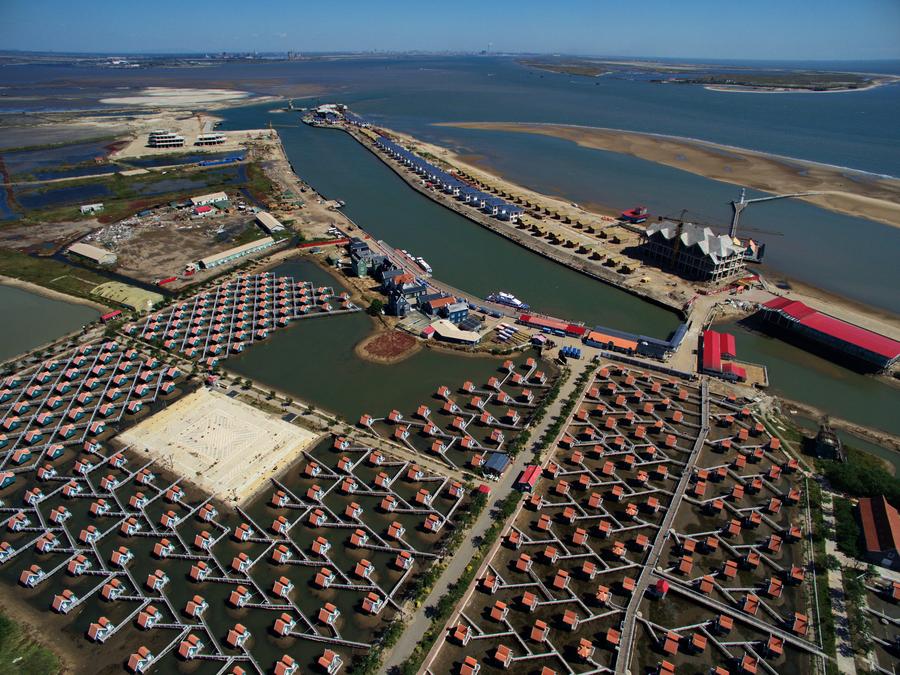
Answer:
x=381 y=203
x=461 y=252
x=803 y=241
x=799 y=375
x=313 y=359
x=35 y=319
x=855 y=129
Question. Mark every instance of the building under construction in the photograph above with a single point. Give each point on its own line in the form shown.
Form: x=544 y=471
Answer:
x=693 y=251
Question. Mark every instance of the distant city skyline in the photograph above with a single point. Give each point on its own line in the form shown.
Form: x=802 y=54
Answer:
x=701 y=29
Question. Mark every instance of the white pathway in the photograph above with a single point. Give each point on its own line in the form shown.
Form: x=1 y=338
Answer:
x=845 y=661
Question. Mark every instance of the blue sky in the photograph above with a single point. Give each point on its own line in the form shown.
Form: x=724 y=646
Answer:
x=752 y=29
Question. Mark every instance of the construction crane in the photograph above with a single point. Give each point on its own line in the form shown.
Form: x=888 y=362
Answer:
x=716 y=226
x=739 y=206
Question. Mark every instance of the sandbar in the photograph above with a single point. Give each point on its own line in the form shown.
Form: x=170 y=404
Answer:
x=171 y=97
x=842 y=190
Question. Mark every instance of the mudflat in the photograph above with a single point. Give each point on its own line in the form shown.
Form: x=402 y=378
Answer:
x=842 y=190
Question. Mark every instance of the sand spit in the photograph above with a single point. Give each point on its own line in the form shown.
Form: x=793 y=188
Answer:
x=845 y=191
x=171 y=97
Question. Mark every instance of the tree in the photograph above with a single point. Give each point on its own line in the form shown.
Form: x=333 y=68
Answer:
x=375 y=307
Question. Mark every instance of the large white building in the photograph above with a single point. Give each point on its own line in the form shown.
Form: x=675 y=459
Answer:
x=165 y=139
x=95 y=254
x=210 y=139
x=237 y=252
x=212 y=198
x=268 y=222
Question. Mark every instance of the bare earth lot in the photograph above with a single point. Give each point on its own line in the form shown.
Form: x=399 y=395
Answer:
x=225 y=447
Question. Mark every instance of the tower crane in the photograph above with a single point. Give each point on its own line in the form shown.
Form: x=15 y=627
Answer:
x=716 y=226
x=741 y=204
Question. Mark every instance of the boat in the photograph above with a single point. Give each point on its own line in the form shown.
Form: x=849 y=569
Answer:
x=420 y=261
x=508 y=299
x=636 y=215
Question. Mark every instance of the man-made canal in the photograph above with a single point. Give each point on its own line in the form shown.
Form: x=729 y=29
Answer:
x=462 y=253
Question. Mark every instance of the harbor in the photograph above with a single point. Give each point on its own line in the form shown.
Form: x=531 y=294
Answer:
x=456 y=248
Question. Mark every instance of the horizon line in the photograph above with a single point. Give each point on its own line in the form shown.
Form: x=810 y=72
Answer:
x=445 y=52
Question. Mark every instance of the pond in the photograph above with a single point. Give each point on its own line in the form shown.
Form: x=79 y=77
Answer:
x=37 y=319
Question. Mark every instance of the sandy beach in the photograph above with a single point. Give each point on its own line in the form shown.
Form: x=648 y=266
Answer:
x=866 y=195
x=51 y=294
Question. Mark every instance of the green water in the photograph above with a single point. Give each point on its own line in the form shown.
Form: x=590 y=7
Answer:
x=799 y=375
x=37 y=320
x=313 y=360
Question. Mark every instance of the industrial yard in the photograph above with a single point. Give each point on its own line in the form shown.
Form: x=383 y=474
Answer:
x=172 y=238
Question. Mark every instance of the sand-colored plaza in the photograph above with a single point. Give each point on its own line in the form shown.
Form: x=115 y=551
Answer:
x=224 y=446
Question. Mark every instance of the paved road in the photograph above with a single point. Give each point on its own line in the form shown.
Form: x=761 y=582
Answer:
x=845 y=661
x=623 y=656
x=419 y=622
x=685 y=357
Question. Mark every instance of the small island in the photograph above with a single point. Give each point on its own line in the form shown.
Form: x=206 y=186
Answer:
x=716 y=77
x=787 y=81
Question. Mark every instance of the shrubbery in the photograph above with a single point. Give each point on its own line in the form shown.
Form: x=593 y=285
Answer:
x=846 y=530
x=446 y=604
x=862 y=475
x=370 y=663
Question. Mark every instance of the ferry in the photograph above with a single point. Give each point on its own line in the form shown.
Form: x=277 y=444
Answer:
x=420 y=261
x=508 y=299
x=636 y=215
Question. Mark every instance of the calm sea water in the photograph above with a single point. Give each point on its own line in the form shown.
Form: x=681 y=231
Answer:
x=37 y=320
x=852 y=256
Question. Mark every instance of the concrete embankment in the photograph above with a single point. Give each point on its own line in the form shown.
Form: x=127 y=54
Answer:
x=510 y=232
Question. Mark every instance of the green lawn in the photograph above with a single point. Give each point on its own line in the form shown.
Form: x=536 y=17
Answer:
x=20 y=655
x=49 y=273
